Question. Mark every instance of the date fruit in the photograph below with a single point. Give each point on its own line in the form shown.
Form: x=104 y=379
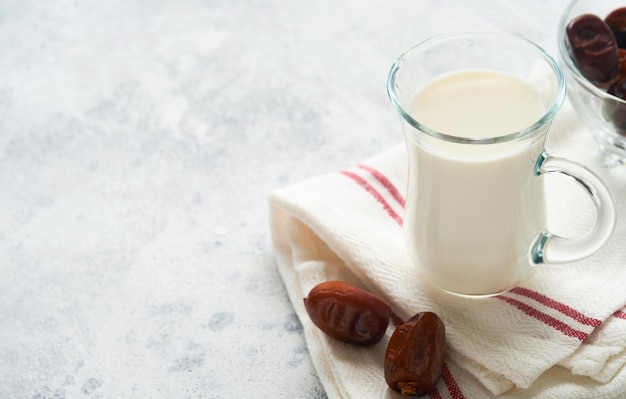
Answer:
x=348 y=313
x=621 y=53
x=616 y=20
x=415 y=355
x=593 y=48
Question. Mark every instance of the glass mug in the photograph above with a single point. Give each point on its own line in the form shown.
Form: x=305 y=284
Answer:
x=476 y=110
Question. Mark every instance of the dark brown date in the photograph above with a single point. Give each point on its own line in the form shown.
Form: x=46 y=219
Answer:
x=415 y=355
x=593 y=48
x=616 y=20
x=621 y=53
x=348 y=313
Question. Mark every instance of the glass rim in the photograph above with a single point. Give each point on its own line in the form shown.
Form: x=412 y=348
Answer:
x=527 y=131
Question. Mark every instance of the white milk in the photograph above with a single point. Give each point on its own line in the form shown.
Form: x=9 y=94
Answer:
x=476 y=209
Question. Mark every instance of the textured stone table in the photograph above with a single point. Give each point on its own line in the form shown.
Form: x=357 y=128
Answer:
x=138 y=143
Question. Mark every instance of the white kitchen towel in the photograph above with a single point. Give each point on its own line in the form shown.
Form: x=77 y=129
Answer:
x=561 y=334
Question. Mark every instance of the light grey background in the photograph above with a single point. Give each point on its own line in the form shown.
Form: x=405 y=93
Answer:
x=138 y=142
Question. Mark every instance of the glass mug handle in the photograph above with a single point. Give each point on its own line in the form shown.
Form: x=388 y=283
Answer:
x=550 y=248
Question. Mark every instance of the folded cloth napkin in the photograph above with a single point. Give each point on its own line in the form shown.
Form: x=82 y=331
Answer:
x=562 y=334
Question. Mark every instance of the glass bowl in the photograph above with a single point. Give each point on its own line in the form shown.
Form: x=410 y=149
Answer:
x=603 y=113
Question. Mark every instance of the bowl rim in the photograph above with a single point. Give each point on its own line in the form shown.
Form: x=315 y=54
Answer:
x=567 y=61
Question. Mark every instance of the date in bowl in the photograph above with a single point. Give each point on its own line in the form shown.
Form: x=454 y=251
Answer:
x=590 y=57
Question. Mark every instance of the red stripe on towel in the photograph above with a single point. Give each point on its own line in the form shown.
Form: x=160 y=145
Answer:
x=370 y=189
x=544 y=318
x=451 y=384
x=620 y=314
x=561 y=307
x=435 y=394
x=395 y=193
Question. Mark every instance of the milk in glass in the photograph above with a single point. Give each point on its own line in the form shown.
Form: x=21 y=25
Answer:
x=480 y=206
